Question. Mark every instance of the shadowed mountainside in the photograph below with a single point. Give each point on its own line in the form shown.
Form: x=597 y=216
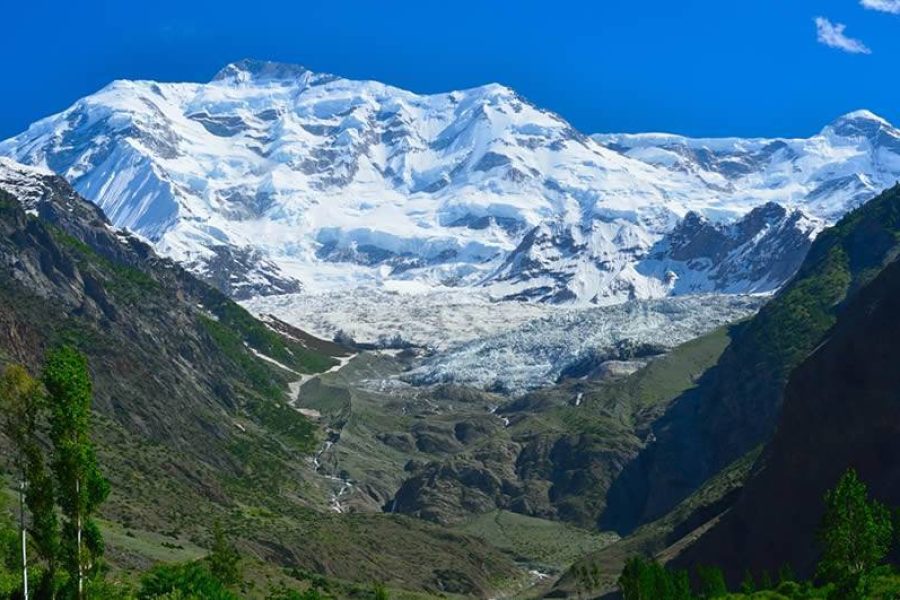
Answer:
x=841 y=410
x=736 y=405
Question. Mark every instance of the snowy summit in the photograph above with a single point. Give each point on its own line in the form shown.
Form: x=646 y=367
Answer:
x=273 y=179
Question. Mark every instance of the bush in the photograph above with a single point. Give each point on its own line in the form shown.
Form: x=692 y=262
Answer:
x=190 y=581
x=288 y=594
x=100 y=589
x=223 y=559
x=379 y=592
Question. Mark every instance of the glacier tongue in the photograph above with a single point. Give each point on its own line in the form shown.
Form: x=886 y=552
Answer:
x=272 y=179
x=576 y=341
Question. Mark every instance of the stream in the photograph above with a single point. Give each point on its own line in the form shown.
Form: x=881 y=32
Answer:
x=341 y=486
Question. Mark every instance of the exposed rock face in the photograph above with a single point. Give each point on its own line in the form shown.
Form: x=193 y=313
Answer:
x=758 y=253
x=243 y=273
x=449 y=491
x=557 y=262
x=841 y=410
x=552 y=476
x=552 y=453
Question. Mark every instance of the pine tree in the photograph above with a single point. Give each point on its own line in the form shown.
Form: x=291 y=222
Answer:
x=223 y=558
x=80 y=484
x=786 y=574
x=643 y=579
x=856 y=535
x=712 y=582
x=630 y=579
x=681 y=586
x=748 y=585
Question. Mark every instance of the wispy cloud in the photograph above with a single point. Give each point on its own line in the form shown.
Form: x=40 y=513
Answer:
x=832 y=35
x=888 y=6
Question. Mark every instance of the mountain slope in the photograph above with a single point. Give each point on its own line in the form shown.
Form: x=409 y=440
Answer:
x=191 y=401
x=736 y=404
x=598 y=572
x=360 y=182
x=552 y=453
x=841 y=410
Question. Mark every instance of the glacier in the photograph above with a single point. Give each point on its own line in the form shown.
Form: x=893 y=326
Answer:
x=580 y=341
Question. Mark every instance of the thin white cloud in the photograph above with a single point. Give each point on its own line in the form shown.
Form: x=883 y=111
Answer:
x=888 y=6
x=832 y=35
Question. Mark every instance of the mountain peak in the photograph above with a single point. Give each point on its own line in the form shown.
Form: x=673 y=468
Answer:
x=858 y=123
x=862 y=115
x=250 y=69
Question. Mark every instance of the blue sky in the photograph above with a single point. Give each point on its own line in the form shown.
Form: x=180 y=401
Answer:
x=698 y=67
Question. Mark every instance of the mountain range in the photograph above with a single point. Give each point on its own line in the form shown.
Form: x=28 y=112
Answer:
x=272 y=179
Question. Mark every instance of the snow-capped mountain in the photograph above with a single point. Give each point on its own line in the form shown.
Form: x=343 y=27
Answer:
x=850 y=160
x=271 y=178
x=557 y=262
